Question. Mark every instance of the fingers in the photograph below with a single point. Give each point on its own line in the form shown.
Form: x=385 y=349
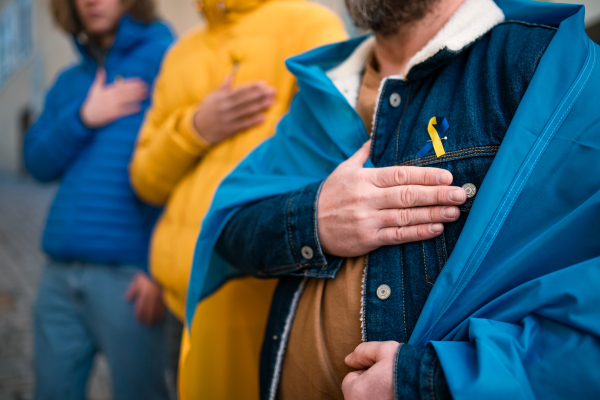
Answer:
x=400 y=217
x=367 y=354
x=227 y=82
x=350 y=379
x=408 y=234
x=361 y=156
x=132 y=290
x=100 y=79
x=250 y=109
x=134 y=91
x=246 y=123
x=249 y=93
x=398 y=176
x=419 y=196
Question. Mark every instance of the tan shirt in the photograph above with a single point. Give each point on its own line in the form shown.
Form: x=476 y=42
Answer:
x=327 y=325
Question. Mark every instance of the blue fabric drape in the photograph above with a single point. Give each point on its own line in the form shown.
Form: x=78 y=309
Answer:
x=515 y=311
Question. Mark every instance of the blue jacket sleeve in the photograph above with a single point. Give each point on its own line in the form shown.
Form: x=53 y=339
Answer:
x=278 y=236
x=418 y=374
x=55 y=139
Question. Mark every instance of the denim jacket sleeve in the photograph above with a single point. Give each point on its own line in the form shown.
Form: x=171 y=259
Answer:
x=418 y=374
x=278 y=236
x=55 y=139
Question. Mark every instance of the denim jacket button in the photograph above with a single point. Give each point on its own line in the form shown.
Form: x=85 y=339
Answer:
x=307 y=253
x=383 y=292
x=470 y=189
x=395 y=100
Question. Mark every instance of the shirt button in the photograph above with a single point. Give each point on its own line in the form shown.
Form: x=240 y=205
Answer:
x=470 y=189
x=307 y=253
x=383 y=292
x=395 y=100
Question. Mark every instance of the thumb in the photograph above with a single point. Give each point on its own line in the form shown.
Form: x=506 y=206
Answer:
x=132 y=291
x=227 y=83
x=361 y=156
x=364 y=356
x=100 y=79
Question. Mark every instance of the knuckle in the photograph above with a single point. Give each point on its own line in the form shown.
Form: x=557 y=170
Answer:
x=408 y=196
x=361 y=198
x=433 y=214
x=362 y=175
x=401 y=176
x=400 y=235
x=441 y=195
x=360 y=215
x=404 y=217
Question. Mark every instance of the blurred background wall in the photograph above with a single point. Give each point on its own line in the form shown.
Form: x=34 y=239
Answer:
x=33 y=50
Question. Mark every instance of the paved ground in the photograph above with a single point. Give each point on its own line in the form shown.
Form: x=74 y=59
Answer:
x=23 y=208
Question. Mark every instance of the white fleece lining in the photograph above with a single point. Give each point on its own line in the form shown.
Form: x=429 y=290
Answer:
x=473 y=19
x=347 y=76
x=284 y=338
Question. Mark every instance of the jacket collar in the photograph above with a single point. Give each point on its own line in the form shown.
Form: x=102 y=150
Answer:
x=130 y=33
x=220 y=13
x=473 y=19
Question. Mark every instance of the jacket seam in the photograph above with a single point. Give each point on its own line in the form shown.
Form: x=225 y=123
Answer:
x=396 y=371
x=315 y=226
x=403 y=302
x=528 y=24
x=376 y=120
x=289 y=212
x=452 y=155
x=402 y=119
x=425 y=263
x=288 y=266
x=284 y=338
x=363 y=301
x=431 y=368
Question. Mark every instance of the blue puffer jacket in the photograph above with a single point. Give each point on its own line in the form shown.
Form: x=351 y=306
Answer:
x=96 y=216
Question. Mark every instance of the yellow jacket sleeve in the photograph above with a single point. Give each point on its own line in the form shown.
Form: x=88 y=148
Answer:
x=168 y=144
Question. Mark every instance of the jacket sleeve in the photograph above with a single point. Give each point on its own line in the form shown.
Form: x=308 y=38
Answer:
x=56 y=138
x=168 y=145
x=288 y=224
x=418 y=374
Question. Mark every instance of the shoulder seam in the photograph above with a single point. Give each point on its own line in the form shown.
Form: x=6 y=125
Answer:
x=529 y=24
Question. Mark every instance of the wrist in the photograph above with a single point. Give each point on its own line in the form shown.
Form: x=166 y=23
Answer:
x=83 y=117
x=194 y=126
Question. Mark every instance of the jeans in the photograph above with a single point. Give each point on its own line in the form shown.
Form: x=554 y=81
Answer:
x=81 y=310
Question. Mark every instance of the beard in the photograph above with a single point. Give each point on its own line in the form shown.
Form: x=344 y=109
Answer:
x=387 y=16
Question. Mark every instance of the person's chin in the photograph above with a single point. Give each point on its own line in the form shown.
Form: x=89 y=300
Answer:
x=99 y=28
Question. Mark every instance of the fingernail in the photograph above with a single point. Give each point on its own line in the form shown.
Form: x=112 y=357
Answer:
x=436 y=228
x=449 y=212
x=457 y=196
x=444 y=178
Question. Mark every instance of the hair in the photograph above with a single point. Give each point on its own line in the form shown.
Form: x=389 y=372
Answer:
x=65 y=14
x=387 y=16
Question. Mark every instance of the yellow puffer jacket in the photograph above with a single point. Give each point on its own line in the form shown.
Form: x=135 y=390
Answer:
x=172 y=165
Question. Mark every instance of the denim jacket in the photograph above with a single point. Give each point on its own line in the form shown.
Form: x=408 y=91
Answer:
x=477 y=89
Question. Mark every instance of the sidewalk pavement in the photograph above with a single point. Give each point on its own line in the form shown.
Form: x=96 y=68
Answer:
x=23 y=208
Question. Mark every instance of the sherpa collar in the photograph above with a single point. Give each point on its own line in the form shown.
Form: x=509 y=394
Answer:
x=473 y=19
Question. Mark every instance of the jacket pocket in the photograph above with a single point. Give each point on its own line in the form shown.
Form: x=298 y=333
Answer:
x=469 y=167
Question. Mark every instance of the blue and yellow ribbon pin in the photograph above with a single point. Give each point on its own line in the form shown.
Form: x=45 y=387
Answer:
x=436 y=142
